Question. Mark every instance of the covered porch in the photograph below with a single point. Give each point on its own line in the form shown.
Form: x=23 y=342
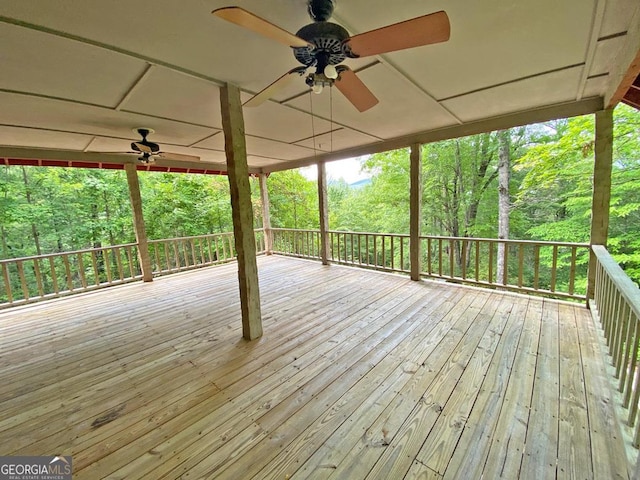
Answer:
x=359 y=374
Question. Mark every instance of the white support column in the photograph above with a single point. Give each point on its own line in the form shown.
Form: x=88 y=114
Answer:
x=323 y=208
x=266 y=215
x=601 y=189
x=138 y=221
x=415 y=210
x=242 y=210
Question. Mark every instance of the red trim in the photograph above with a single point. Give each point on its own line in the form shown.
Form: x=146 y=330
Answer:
x=34 y=162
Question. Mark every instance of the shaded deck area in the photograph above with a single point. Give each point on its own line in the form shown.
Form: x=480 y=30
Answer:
x=359 y=375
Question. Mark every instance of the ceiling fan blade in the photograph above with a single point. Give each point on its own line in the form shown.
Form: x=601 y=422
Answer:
x=177 y=156
x=268 y=92
x=419 y=31
x=248 y=20
x=356 y=92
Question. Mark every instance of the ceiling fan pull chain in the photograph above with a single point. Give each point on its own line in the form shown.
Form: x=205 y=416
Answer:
x=313 y=128
x=331 y=118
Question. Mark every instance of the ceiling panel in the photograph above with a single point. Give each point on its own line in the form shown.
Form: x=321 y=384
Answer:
x=617 y=16
x=337 y=140
x=170 y=94
x=493 y=42
x=19 y=110
x=594 y=86
x=402 y=107
x=604 y=55
x=28 y=137
x=73 y=71
x=292 y=124
x=261 y=147
x=553 y=88
x=503 y=57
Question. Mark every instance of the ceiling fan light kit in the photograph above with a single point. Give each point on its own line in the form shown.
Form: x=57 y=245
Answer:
x=325 y=45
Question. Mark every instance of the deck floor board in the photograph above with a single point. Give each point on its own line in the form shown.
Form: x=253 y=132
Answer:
x=359 y=375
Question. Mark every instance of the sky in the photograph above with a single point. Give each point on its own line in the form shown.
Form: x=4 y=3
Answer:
x=349 y=170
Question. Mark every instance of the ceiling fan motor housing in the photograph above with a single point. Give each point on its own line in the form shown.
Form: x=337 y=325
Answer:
x=328 y=44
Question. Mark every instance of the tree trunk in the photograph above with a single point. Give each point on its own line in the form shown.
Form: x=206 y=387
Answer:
x=34 y=230
x=5 y=247
x=504 y=171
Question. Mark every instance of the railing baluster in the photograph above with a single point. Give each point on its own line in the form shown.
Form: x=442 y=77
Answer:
x=23 y=280
x=452 y=258
x=463 y=259
x=536 y=267
x=621 y=334
x=209 y=254
x=132 y=271
x=83 y=279
x=54 y=276
x=477 y=259
x=384 y=252
x=7 y=284
x=67 y=269
x=520 y=264
x=96 y=272
x=116 y=251
x=36 y=267
x=572 y=270
x=632 y=323
x=392 y=254
x=554 y=267
x=491 y=244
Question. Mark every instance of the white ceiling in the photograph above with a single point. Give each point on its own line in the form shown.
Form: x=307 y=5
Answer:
x=78 y=75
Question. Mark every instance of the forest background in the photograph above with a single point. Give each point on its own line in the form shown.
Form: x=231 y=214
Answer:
x=47 y=210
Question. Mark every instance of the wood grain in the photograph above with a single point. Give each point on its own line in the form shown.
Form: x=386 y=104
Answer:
x=359 y=374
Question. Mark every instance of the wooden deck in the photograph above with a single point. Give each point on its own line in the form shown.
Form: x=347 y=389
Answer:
x=359 y=375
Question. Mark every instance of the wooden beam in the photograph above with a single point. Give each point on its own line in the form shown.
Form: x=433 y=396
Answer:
x=626 y=65
x=138 y=222
x=415 y=210
x=601 y=189
x=242 y=211
x=323 y=207
x=266 y=215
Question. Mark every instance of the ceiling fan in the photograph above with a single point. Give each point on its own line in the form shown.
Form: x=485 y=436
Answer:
x=150 y=151
x=325 y=45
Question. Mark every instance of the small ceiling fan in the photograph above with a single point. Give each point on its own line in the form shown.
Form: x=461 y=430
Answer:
x=150 y=150
x=325 y=45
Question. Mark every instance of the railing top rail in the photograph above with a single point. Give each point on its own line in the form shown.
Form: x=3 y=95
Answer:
x=279 y=229
x=377 y=234
x=71 y=252
x=509 y=240
x=192 y=237
x=624 y=284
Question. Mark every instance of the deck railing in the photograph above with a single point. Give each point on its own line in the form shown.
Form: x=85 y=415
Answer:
x=616 y=305
x=554 y=269
x=28 y=279
x=546 y=268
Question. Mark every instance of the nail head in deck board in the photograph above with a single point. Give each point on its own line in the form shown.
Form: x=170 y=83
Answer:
x=242 y=210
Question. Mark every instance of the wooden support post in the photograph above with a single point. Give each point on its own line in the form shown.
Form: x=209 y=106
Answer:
x=415 y=210
x=242 y=211
x=323 y=208
x=138 y=221
x=266 y=215
x=601 y=189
